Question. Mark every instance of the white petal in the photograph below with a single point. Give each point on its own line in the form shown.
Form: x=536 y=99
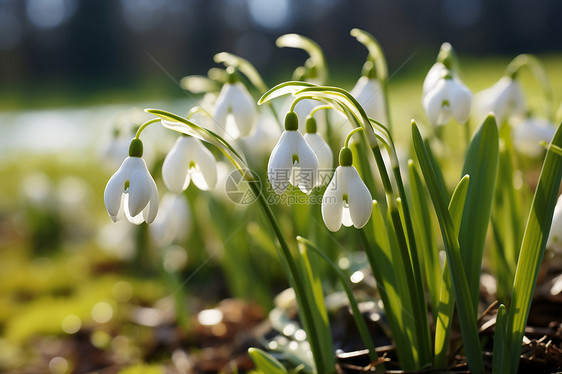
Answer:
x=359 y=197
x=555 y=237
x=308 y=164
x=528 y=135
x=461 y=100
x=332 y=203
x=205 y=174
x=243 y=109
x=369 y=94
x=114 y=189
x=280 y=163
x=149 y=213
x=437 y=71
x=346 y=216
x=135 y=219
x=433 y=104
x=324 y=155
x=139 y=187
x=175 y=166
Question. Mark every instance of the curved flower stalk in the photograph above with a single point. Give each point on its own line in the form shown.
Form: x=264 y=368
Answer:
x=235 y=110
x=292 y=160
x=528 y=135
x=189 y=160
x=131 y=191
x=347 y=199
x=173 y=222
x=303 y=108
x=449 y=98
x=315 y=69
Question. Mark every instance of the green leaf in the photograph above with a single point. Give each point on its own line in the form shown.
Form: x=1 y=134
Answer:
x=387 y=267
x=313 y=291
x=244 y=66
x=446 y=306
x=481 y=163
x=467 y=316
x=265 y=362
x=499 y=362
x=177 y=123
x=424 y=234
x=532 y=248
x=282 y=89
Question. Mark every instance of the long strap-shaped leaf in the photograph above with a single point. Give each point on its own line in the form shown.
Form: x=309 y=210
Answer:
x=532 y=249
x=481 y=163
x=467 y=317
x=446 y=299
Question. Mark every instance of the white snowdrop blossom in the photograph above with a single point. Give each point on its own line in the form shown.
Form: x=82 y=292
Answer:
x=189 y=160
x=292 y=160
x=448 y=98
x=235 y=110
x=505 y=99
x=528 y=135
x=555 y=237
x=264 y=138
x=369 y=93
x=173 y=221
x=347 y=199
x=131 y=190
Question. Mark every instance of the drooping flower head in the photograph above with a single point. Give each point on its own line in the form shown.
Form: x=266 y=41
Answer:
x=292 y=160
x=189 y=160
x=449 y=98
x=369 y=93
x=131 y=190
x=235 y=109
x=529 y=133
x=347 y=199
x=173 y=221
x=505 y=99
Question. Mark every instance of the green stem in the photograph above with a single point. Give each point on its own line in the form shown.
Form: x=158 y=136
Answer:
x=348 y=137
x=297 y=281
x=144 y=125
x=387 y=105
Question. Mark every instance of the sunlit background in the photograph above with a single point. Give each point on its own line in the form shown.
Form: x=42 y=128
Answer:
x=71 y=69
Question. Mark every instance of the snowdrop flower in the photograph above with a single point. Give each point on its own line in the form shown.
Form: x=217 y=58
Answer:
x=292 y=160
x=189 y=160
x=555 y=237
x=528 y=135
x=321 y=149
x=235 y=109
x=131 y=190
x=173 y=221
x=264 y=138
x=505 y=99
x=448 y=98
x=347 y=199
x=369 y=93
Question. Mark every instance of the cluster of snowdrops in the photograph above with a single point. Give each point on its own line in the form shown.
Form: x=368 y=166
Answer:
x=297 y=143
